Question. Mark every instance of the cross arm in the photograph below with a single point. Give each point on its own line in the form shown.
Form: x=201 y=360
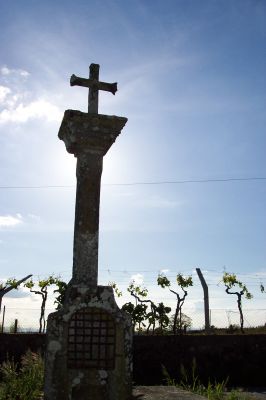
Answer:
x=108 y=87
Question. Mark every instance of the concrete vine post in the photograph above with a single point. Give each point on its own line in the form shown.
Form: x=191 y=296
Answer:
x=206 y=299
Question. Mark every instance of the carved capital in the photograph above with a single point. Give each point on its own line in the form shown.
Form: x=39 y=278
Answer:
x=89 y=133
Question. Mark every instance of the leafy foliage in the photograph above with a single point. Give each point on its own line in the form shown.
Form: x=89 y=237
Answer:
x=162 y=317
x=232 y=283
x=137 y=313
x=183 y=282
x=183 y=323
x=41 y=288
x=61 y=290
x=137 y=290
x=116 y=290
x=12 y=282
x=139 y=310
x=163 y=281
x=145 y=311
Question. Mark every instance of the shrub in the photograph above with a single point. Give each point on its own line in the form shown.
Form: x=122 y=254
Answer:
x=24 y=382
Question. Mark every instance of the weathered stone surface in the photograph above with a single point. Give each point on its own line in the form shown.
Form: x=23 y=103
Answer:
x=88 y=137
x=94 y=85
x=83 y=132
x=64 y=380
x=86 y=233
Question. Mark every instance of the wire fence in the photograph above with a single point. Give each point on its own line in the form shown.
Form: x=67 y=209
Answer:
x=28 y=318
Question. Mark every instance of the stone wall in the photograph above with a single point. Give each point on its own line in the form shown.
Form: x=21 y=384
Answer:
x=14 y=345
x=240 y=357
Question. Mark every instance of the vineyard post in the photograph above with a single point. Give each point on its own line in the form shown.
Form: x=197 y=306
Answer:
x=206 y=299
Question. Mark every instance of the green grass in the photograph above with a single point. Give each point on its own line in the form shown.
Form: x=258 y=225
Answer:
x=212 y=391
x=24 y=382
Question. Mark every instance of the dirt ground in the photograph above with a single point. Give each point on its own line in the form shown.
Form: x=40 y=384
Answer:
x=173 y=393
x=163 y=393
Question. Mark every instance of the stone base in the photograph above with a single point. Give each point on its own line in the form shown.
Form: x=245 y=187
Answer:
x=89 y=348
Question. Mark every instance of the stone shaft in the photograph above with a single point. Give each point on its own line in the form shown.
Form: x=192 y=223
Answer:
x=86 y=234
x=88 y=137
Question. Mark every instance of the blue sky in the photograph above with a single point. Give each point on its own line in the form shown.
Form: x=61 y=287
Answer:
x=191 y=81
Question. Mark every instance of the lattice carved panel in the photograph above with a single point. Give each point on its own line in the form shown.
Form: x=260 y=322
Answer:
x=91 y=339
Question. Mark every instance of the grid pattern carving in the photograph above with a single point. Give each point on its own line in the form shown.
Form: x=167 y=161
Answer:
x=91 y=339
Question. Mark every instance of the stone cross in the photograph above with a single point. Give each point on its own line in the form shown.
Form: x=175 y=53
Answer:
x=89 y=340
x=94 y=86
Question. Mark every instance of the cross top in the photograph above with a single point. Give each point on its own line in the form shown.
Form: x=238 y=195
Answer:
x=94 y=86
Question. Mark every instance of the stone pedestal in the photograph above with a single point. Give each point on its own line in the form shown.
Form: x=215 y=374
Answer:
x=89 y=341
x=89 y=349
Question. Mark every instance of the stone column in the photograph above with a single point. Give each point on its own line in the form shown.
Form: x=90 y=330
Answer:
x=88 y=137
x=85 y=254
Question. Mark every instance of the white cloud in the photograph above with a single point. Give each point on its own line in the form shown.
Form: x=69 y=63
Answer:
x=164 y=271
x=8 y=71
x=5 y=71
x=35 y=218
x=38 y=109
x=8 y=99
x=24 y=73
x=9 y=220
x=137 y=278
x=18 y=105
x=4 y=91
